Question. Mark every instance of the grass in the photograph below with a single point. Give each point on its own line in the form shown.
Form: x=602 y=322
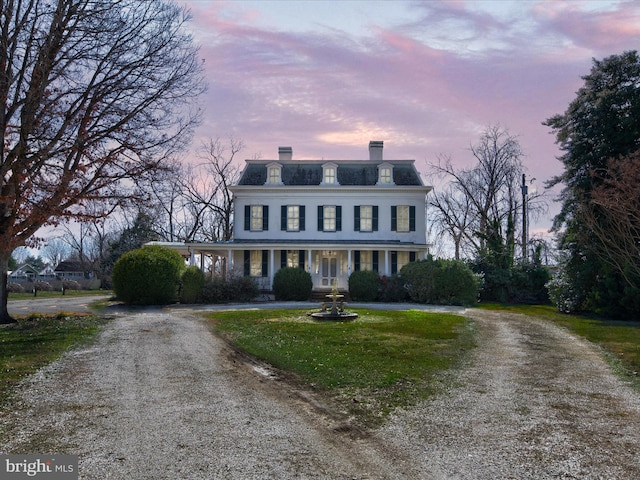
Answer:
x=382 y=360
x=37 y=340
x=620 y=339
x=57 y=294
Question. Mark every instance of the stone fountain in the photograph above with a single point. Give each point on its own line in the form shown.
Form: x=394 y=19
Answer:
x=334 y=311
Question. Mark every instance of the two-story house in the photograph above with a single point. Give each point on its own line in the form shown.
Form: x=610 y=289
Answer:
x=329 y=217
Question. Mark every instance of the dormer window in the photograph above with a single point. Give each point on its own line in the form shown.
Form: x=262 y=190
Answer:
x=274 y=174
x=385 y=174
x=329 y=174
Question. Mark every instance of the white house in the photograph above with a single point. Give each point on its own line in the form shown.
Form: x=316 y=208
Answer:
x=329 y=217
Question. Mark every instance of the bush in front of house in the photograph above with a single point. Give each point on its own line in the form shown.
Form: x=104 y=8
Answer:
x=363 y=286
x=391 y=289
x=292 y=283
x=148 y=276
x=235 y=289
x=441 y=282
x=192 y=285
x=13 y=287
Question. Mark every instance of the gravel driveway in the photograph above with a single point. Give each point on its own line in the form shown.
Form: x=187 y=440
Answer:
x=158 y=397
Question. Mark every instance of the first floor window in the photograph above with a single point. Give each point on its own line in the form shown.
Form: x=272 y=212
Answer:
x=256 y=263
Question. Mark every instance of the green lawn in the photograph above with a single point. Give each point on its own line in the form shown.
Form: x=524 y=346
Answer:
x=620 y=339
x=36 y=341
x=370 y=366
x=58 y=293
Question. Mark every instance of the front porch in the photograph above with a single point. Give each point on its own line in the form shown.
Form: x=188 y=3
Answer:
x=328 y=264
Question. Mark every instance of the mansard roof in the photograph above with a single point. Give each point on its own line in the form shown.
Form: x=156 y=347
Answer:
x=350 y=172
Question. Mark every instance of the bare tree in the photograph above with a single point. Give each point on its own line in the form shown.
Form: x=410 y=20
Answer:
x=484 y=200
x=194 y=202
x=613 y=217
x=94 y=95
x=55 y=251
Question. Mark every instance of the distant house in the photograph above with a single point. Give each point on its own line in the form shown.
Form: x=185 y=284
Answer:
x=47 y=273
x=24 y=273
x=330 y=217
x=72 y=270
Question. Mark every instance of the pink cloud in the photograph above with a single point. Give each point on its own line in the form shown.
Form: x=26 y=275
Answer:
x=328 y=92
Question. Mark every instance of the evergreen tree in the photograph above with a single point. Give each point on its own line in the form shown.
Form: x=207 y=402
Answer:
x=601 y=124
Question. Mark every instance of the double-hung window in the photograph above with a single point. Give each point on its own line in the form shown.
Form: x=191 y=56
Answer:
x=365 y=218
x=329 y=218
x=256 y=218
x=403 y=218
x=292 y=218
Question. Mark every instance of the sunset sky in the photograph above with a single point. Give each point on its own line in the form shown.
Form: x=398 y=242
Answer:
x=426 y=77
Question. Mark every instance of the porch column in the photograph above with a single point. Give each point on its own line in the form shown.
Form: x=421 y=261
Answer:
x=192 y=257
x=272 y=266
x=387 y=268
x=202 y=261
x=309 y=257
x=229 y=263
x=348 y=262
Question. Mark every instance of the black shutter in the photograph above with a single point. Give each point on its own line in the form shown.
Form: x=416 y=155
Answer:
x=247 y=217
x=301 y=218
x=283 y=258
x=320 y=218
x=265 y=218
x=356 y=218
x=375 y=260
x=394 y=218
x=338 y=218
x=374 y=226
x=265 y=263
x=283 y=217
x=394 y=263
x=356 y=260
x=412 y=256
x=412 y=218
x=247 y=263
x=301 y=256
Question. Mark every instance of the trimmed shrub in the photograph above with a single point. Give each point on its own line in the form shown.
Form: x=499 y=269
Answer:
x=441 y=282
x=148 y=276
x=42 y=286
x=71 y=285
x=13 y=287
x=292 y=283
x=363 y=285
x=236 y=289
x=192 y=285
x=391 y=289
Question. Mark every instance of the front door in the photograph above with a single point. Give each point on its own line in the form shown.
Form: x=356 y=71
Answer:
x=328 y=269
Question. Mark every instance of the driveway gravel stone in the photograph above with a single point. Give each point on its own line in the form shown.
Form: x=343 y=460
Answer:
x=159 y=397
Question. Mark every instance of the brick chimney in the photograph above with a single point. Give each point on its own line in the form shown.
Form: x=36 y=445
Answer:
x=285 y=153
x=375 y=150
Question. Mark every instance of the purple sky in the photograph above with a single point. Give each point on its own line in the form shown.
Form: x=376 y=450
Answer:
x=426 y=77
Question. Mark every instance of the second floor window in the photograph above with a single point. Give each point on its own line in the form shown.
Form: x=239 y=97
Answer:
x=365 y=218
x=403 y=218
x=385 y=175
x=256 y=218
x=329 y=218
x=292 y=218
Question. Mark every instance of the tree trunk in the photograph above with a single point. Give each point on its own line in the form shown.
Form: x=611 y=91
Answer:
x=4 y=294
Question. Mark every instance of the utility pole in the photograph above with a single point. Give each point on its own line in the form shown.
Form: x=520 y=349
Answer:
x=525 y=191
